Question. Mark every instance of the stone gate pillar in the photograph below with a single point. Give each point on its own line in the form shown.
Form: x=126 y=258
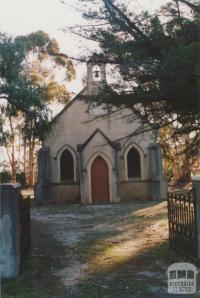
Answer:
x=196 y=187
x=42 y=187
x=158 y=181
x=10 y=258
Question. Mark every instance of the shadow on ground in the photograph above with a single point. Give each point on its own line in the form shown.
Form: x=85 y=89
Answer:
x=97 y=251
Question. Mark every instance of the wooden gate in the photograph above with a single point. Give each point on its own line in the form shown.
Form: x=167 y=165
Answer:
x=182 y=223
x=100 y=181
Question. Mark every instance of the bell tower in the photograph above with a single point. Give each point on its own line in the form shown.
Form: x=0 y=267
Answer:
x=96 y=73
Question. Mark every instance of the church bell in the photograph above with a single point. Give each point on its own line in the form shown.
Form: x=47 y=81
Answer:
x=96 y=74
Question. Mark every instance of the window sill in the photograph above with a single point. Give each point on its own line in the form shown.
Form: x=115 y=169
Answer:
x=66 y=183
x=134 y=180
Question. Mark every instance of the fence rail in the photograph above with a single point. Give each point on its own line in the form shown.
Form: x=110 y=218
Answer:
x=182 y=223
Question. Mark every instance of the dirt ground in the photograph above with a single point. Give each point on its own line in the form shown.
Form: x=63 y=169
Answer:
x=97 y=251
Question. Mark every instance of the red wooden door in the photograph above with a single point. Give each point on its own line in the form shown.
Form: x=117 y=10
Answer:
x=100 y=181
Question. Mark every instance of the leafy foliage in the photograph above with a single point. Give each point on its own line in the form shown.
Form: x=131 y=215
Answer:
x=28 y=74
x=28 y=85
x=157 y=56
x=178 y=163
x=24 y=81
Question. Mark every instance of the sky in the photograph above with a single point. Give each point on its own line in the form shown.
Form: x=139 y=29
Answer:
x=19 y=17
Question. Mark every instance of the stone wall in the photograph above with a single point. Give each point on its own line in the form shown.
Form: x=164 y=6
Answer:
x=65 y=193
x=135 y=190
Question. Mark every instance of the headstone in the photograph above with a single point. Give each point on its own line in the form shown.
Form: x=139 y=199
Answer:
x=9 y=231
x=42 y=187
x=158 y=181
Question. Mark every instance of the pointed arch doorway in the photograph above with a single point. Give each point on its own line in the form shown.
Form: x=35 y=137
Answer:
x=100 y=181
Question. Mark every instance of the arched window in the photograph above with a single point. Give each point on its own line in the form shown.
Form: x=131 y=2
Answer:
x=133 y=163
x=66 y=166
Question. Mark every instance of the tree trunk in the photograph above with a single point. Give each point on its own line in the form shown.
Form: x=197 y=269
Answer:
x=186 y=167
x=25 y=161
x=13 y=170
x=12 y=159
x=31 y=163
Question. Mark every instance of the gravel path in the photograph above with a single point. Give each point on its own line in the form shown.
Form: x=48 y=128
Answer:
x=98 y=251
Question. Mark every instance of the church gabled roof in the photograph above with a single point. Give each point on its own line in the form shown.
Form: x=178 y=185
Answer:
x=114 y=145
x=69 y=104
x=93 y=59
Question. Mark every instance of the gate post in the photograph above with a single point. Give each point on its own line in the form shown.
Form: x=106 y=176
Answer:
x=10 y=257
x=196 y=187
x=158 y=184
x=42 y=187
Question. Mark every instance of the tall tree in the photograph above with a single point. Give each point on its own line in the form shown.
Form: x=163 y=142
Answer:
x=30 y=87
x=16 y=86
x=158 y=58
x=12 y=139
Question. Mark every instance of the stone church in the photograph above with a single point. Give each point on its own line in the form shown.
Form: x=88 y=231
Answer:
x=89 y=158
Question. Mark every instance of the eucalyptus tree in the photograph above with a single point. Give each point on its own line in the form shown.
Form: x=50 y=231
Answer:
x=28 y=85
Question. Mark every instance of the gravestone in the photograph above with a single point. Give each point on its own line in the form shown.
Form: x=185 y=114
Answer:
x=42 y=187
x=158 y=181
x=9 y=231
